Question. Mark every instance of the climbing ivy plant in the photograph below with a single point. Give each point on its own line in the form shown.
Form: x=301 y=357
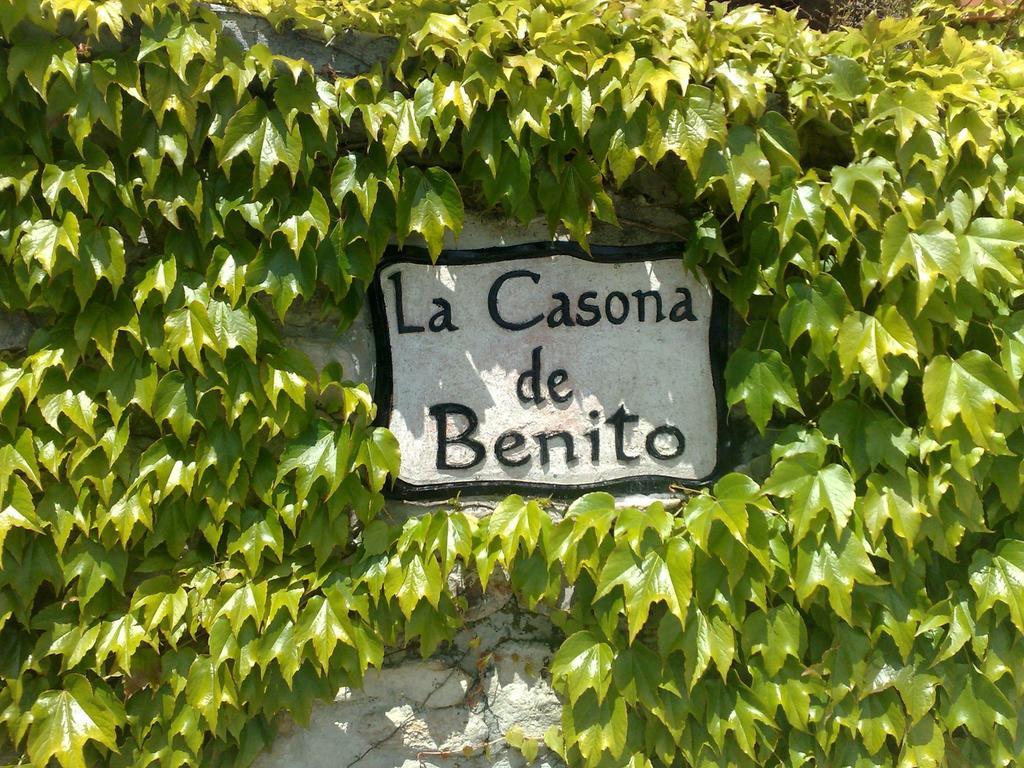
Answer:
x=193 y=533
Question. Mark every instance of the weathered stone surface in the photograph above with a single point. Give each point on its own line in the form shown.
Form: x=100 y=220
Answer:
x=449 y=712
x=349 y=52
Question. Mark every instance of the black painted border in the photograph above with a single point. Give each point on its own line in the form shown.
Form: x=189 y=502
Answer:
x=383 y=388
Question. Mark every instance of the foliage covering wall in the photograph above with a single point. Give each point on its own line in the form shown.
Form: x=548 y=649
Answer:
x=194 y=537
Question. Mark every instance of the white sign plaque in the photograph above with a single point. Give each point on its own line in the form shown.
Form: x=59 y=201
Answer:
x=543 y=368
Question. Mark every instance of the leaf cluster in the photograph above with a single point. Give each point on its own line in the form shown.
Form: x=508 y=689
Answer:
x=192 y=528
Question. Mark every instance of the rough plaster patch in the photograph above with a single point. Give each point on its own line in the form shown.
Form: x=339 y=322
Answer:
x=450 y=713
x=513 y=695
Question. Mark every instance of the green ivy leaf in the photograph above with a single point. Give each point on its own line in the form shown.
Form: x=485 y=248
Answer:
x=353 y=175
x=776 y=635
x=930 y=250
x=413 y=579
x=637 y=674
x=703 y=122
x=45 y=240
x=881 y=717
x=969 y=388
x=379 y=454
x=65 y=720
x=203 y=690
x=799 y=204
x=244 y=602
x=746 y=166
x=74 y=179
x=315 y=216
x=174 y=402
x=321 y=625
x=263 y=135
x=728 y=504
x=575 y=190
x=583 y=663
x=660 y=575
x=120 y=638
x=707 y=639
x=18 y=511
x=866 y=341
x=428 y=204
x=233 y=328
x=992 y=245
x=94 y=566
x=835 y=564
x=816 y=310
x=18 y=173
x=314 y=455
x=908 y=108
x=258 y=533
x=161 y=277
x=999 y=578
x=76 y=406
x=845 y=77
x=866 y=437
x=761 y=381
x=516 y=524
x=598 y=727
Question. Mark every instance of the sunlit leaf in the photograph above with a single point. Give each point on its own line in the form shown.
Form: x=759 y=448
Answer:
x=65 y=720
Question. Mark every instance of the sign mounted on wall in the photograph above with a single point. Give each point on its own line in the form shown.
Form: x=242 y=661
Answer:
x=542 y=368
